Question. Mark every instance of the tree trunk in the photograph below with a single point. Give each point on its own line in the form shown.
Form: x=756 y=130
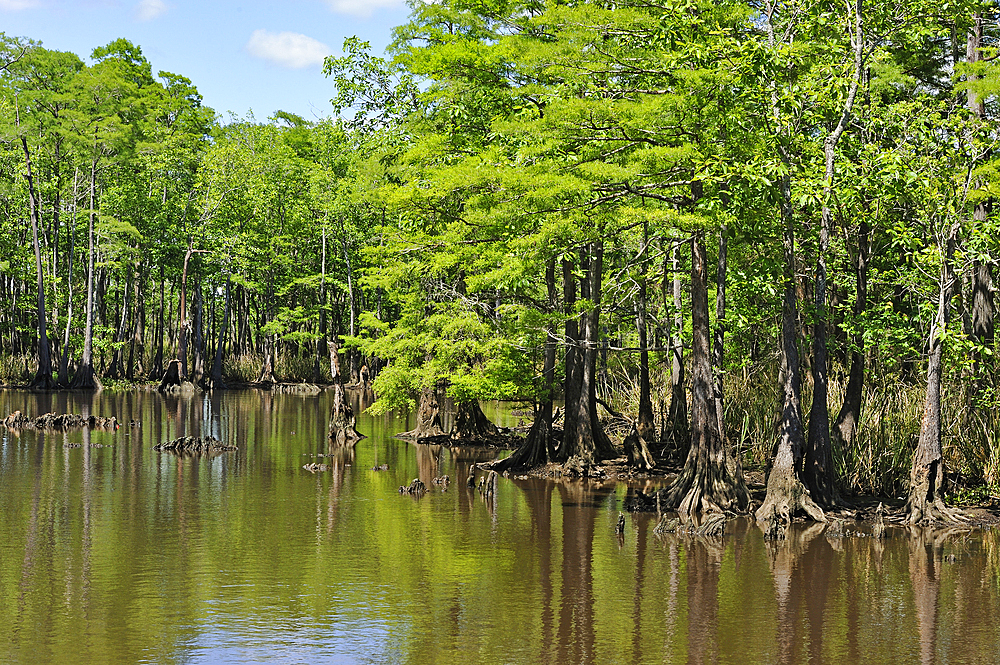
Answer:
x=156 y=371
x=786 y=494
x=733 y=461
x=680 y=435
x=982 y=276
x=43 y=377
x=64 y=359
x=352 y=354
x=198 y=368
x=428 y=419
x=706 y=483
x=637 y=446
x=925 y=502
x=818 y=473
x=216 y=381
x=342 y=418
x=117 y=368
x=84 y=378
x=182 y=314
x=846 y=425
x=584 y=441
x=472 y=425
x=136 y=345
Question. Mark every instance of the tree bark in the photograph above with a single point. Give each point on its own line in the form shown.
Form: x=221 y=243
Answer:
x=706 y=483
x=84 y=377
x=198 y=361
x=733 y=461
x=983 y=309
x=64 y=359
x=182 y=314
x=818 y=472
x=786 y=494
x=584 y=440
x=428 y=419
x=846 y=425
x=637 y=446
x=342 y=418
x=472 y=425
x=680 y=435
x=43 y=376
x=925 y=502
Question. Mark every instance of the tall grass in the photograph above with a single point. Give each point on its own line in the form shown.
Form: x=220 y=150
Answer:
x=17 y=369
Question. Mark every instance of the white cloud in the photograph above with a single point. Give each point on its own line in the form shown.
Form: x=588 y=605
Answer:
x=288 y=49
x=147 y=10
x=17 y=5
x=361 y=8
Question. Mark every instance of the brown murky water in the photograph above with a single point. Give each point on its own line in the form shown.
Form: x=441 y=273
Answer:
x=122 y=554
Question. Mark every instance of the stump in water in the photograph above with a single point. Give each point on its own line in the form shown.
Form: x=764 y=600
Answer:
x=193 y=444
x=472 y=425
x=342 y=418
x=428 y=419
x=172 y=382
x=415 y=488
x=878 y=526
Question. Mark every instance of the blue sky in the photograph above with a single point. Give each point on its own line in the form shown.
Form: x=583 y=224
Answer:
x=242 y=56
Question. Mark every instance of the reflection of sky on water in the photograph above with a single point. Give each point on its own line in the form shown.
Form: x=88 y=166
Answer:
x=336 y=641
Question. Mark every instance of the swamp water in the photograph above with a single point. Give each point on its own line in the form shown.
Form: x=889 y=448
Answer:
x=111 y=552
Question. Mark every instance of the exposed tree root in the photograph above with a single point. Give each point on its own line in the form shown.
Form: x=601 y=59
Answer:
x=472 y=425
x=428 y=419
x=786 y=497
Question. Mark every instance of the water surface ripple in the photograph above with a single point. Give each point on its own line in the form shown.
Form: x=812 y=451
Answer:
x=113 y=552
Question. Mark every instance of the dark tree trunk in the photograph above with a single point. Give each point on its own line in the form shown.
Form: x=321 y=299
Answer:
x=982 y=276
x=706 y=483
x=84 y=377
x=472 y=425
x=584 y=441
x=428 y=419
x=786 y=494
x=925 y=502
x=43 y=377
x=846 y=425
x=637 y=446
